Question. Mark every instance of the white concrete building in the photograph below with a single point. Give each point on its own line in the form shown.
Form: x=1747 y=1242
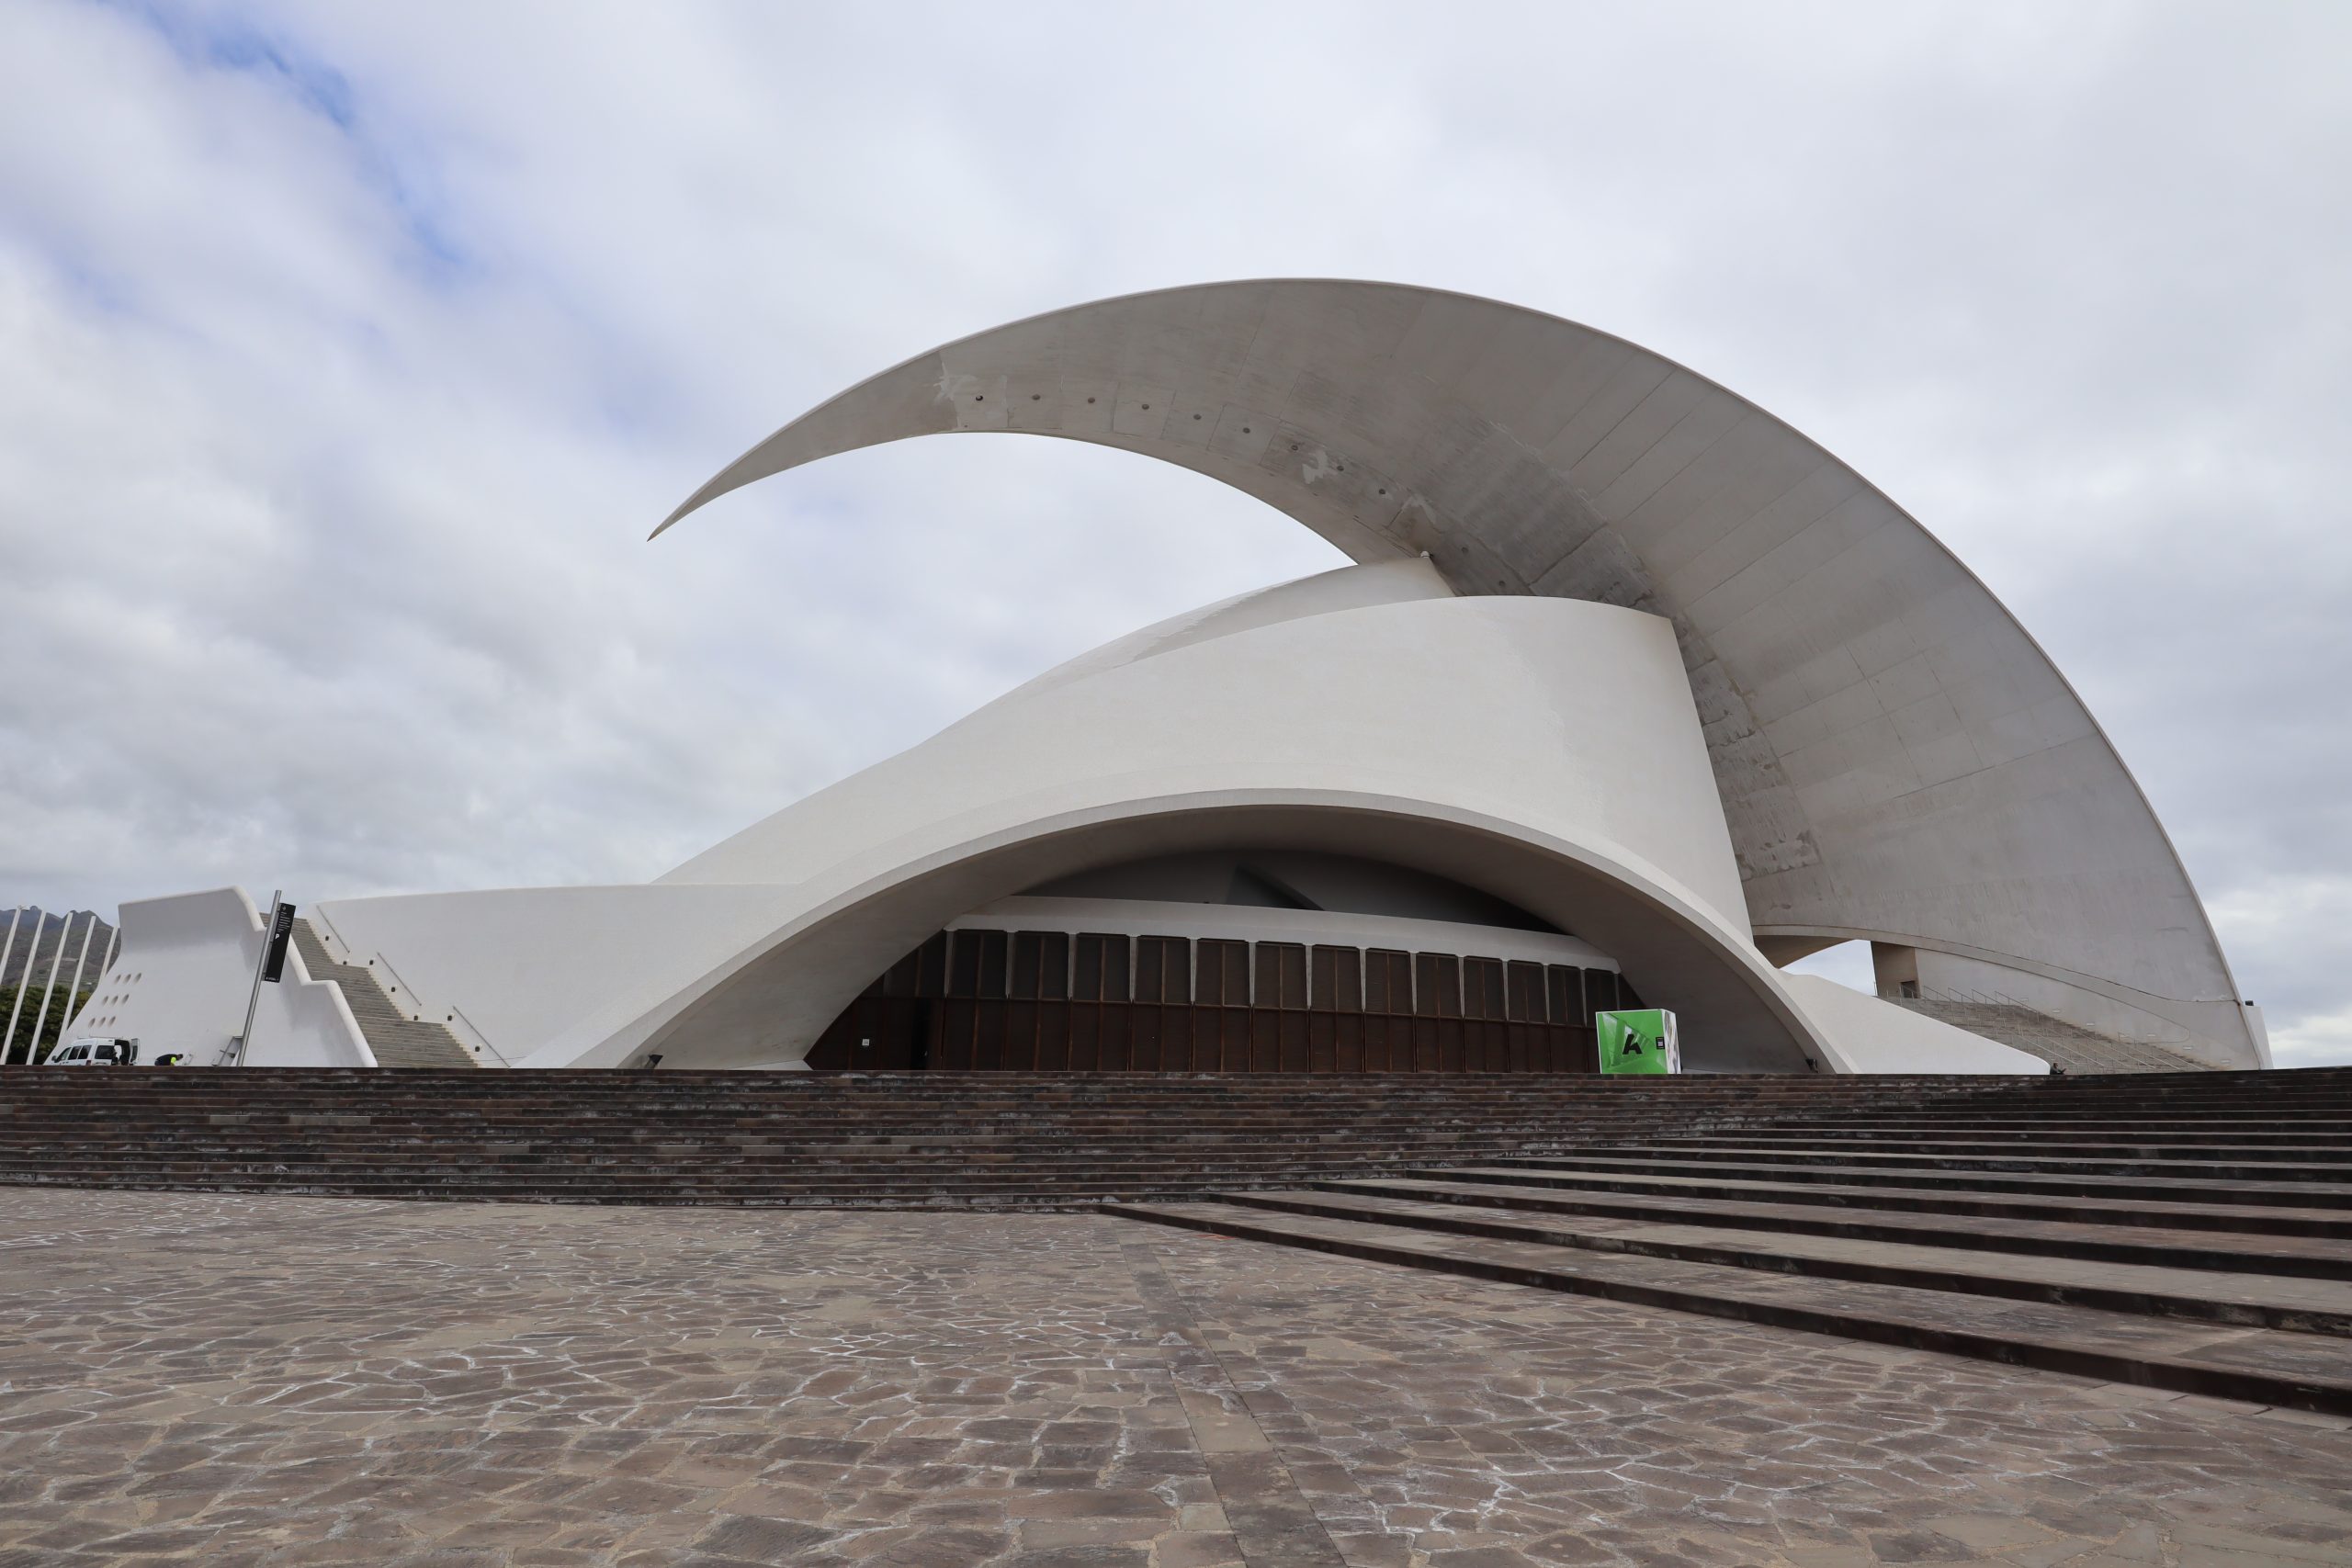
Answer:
x=1634 y=694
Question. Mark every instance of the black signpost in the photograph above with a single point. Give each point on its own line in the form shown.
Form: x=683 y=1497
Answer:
x=272 y=966
x=281 y=927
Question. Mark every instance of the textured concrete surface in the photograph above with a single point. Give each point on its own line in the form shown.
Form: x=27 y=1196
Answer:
x=273 y=1380
x=1896 y=757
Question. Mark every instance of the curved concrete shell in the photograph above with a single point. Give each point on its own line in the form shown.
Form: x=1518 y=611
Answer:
x=1541 y=758
x=1269 y=721
x=1895 y=759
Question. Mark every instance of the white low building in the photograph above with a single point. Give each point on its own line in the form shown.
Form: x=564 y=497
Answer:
x=1635 y=695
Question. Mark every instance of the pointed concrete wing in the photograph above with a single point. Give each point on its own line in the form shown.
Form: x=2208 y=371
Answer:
x=1897 y=758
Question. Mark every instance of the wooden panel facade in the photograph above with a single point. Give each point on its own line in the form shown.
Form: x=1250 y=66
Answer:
x=1049 y=1001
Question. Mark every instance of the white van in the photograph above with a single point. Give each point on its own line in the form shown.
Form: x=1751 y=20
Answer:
x=96 y=1051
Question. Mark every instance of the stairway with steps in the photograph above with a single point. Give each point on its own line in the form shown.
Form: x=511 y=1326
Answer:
x=2056 y=1041
x=2191 y=1233
x=987 y=1139
x=398 y=1040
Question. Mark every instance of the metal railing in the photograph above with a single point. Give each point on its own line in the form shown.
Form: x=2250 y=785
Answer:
x=464 y=1029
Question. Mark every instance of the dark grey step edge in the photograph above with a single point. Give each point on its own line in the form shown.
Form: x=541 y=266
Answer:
x=1860 y=1224
x=2180 y=1376
x=1760 y=1259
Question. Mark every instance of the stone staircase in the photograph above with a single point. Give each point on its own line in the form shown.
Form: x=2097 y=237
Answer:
x=2056 y=1041
x=398 y=1040
x=842 y=1139
x=2191 y=1233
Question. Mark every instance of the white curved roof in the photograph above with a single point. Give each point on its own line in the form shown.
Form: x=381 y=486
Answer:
x=1897 y=759
x=1279 y=734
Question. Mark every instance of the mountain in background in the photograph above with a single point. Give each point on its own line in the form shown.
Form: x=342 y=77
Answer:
x=38 y=936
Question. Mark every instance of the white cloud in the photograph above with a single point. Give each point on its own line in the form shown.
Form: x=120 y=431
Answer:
x=2291 y=939
x=1848 y=964
x=2314 y=1041
x=346 y=354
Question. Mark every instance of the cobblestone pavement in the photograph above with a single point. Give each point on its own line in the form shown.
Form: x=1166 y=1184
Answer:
x=233 y=1380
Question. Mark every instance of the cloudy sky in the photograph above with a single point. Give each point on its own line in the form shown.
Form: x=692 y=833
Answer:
x=347 y=354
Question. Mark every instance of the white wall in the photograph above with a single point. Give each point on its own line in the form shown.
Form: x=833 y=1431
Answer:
x=2199 y=1029
x=1545 y=751
x=1879 y=1037
x=184 y=974
x=1572 y=717
x=512 y=968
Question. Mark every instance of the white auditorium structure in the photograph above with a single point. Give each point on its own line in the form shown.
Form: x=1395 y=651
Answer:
x=1635 y=695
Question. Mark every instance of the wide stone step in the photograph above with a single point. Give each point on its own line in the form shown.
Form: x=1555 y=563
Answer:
x=2106 y=1143
x=514 y=1086
x=2254 y=1128
x=2296 y=1194
x=939 y=1195
x=2098 y=1209
x=381 y=1132
x=364 y=1128
x=454 y=1162
x=888 y=1137
x=943 y=1190
x=559 y=1181
x=2298 y=1257
x=1736 y=1140
x=925 y=1112
x=266 y=1174
x=448 y=1153
x=2303 y=1305
x=2250 y=1113
x=2271 y=1366
x=2339 y=1171
x=780 y=1163
x=1595 y=1133
x=930 y=1113
x=2074 y=1150
x=922 y=1113
x=360 y=1142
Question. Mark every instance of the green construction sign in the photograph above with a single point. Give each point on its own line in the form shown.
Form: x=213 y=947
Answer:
x=1638 y=1042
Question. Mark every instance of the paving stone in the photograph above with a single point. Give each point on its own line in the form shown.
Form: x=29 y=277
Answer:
x=282 y=1381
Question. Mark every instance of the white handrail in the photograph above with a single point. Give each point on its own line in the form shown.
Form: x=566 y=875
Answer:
x=470 y=1035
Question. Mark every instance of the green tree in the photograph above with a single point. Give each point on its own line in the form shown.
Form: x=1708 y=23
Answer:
x=60 y=1011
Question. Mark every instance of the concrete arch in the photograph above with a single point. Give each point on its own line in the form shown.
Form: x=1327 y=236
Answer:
x=1128 y=755
x=1893 y=752
x=2118 y=1012
x=772 y=998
